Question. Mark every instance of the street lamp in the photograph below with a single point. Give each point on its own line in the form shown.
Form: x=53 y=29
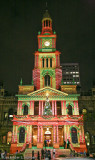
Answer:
x=88 y=146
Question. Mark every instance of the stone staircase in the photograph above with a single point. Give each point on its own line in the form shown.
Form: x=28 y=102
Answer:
x=82 y=148
x=28 y=152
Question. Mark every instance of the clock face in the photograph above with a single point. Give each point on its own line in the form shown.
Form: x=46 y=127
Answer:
x=47 y=43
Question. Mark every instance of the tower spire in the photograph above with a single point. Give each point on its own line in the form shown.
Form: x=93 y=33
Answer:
x=46 y=5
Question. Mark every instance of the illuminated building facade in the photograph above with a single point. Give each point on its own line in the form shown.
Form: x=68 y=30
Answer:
x=47 y=113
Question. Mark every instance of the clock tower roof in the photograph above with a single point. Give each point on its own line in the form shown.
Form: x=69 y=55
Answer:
x=46 y=15
x=46 y=23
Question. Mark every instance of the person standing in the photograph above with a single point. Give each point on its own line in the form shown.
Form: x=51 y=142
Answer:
x=53 y=153
x=5 y=154
x=38 y=156
x=49 y=154
x=2 y=155
x=16 y=152
x=46 y=155
x=42 y=154
x=68 y=144
x=45 y=143
x=33 y=155
x=64 y=144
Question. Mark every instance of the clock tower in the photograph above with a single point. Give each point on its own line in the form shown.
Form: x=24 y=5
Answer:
x=47 y=71
x=47 y=113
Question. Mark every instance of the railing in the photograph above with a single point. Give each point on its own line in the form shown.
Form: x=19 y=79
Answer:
x=23 y=148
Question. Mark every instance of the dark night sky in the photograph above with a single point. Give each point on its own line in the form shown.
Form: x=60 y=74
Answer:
x=20 y=21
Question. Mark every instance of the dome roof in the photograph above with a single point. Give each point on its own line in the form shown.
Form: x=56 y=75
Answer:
x=46 y=15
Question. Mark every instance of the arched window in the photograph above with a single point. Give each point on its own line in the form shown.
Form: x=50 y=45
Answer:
x=47 y=80
x=43 y=62
x=50 y=62
x=49 y=23
x=4 y=139
x=47 y=62
x=9 y=137
x=46 y=22
x=25 y=111
x=74 y=135
x=22 y=135
x=69 y=110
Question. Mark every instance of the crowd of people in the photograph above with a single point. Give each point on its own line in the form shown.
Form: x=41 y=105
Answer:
x=66 y=144
x=45 y=154
x=3 y=154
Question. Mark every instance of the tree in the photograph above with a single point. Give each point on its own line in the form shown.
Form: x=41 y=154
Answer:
x=47 y=108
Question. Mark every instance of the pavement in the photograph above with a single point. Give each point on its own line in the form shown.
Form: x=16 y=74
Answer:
x=75 y=158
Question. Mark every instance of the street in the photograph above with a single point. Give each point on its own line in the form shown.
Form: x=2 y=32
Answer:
x=77 y=158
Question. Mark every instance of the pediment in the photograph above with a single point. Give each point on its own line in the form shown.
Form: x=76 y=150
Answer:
x=47 y=91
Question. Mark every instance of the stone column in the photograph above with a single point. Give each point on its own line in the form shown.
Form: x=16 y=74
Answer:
x=64 y=108
x=53 y=134
x=42 y=107
x=41 y=134
x=39 y=108
x=27 y=135
x=74 y=111
x=59 y=59
x=51 y=81
x=53 y=62
x=77 y=108
x=48 y=62
x=41 y=62
x=55 y=137
x=52 y=107
x=80 y=133
x=30 y=136
x=16 y=134
x=65 y=133
x=38 y=134
x=45 y=62
x=43 y=82
x=40 y=137
x=62 y=111
x=56 y=60
x=55 y=109
x=32 y=107
x=57 y=134
x=18 y=108
x=68 y=135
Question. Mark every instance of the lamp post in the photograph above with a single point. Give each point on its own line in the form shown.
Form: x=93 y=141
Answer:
x=88 y=147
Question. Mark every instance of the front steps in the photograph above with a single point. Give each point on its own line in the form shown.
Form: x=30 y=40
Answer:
x=28 y=152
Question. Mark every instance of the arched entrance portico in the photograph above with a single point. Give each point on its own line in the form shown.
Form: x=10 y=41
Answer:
x=48 y=137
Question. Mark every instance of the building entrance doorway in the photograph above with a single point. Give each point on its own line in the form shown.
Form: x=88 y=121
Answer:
x=48 y=136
